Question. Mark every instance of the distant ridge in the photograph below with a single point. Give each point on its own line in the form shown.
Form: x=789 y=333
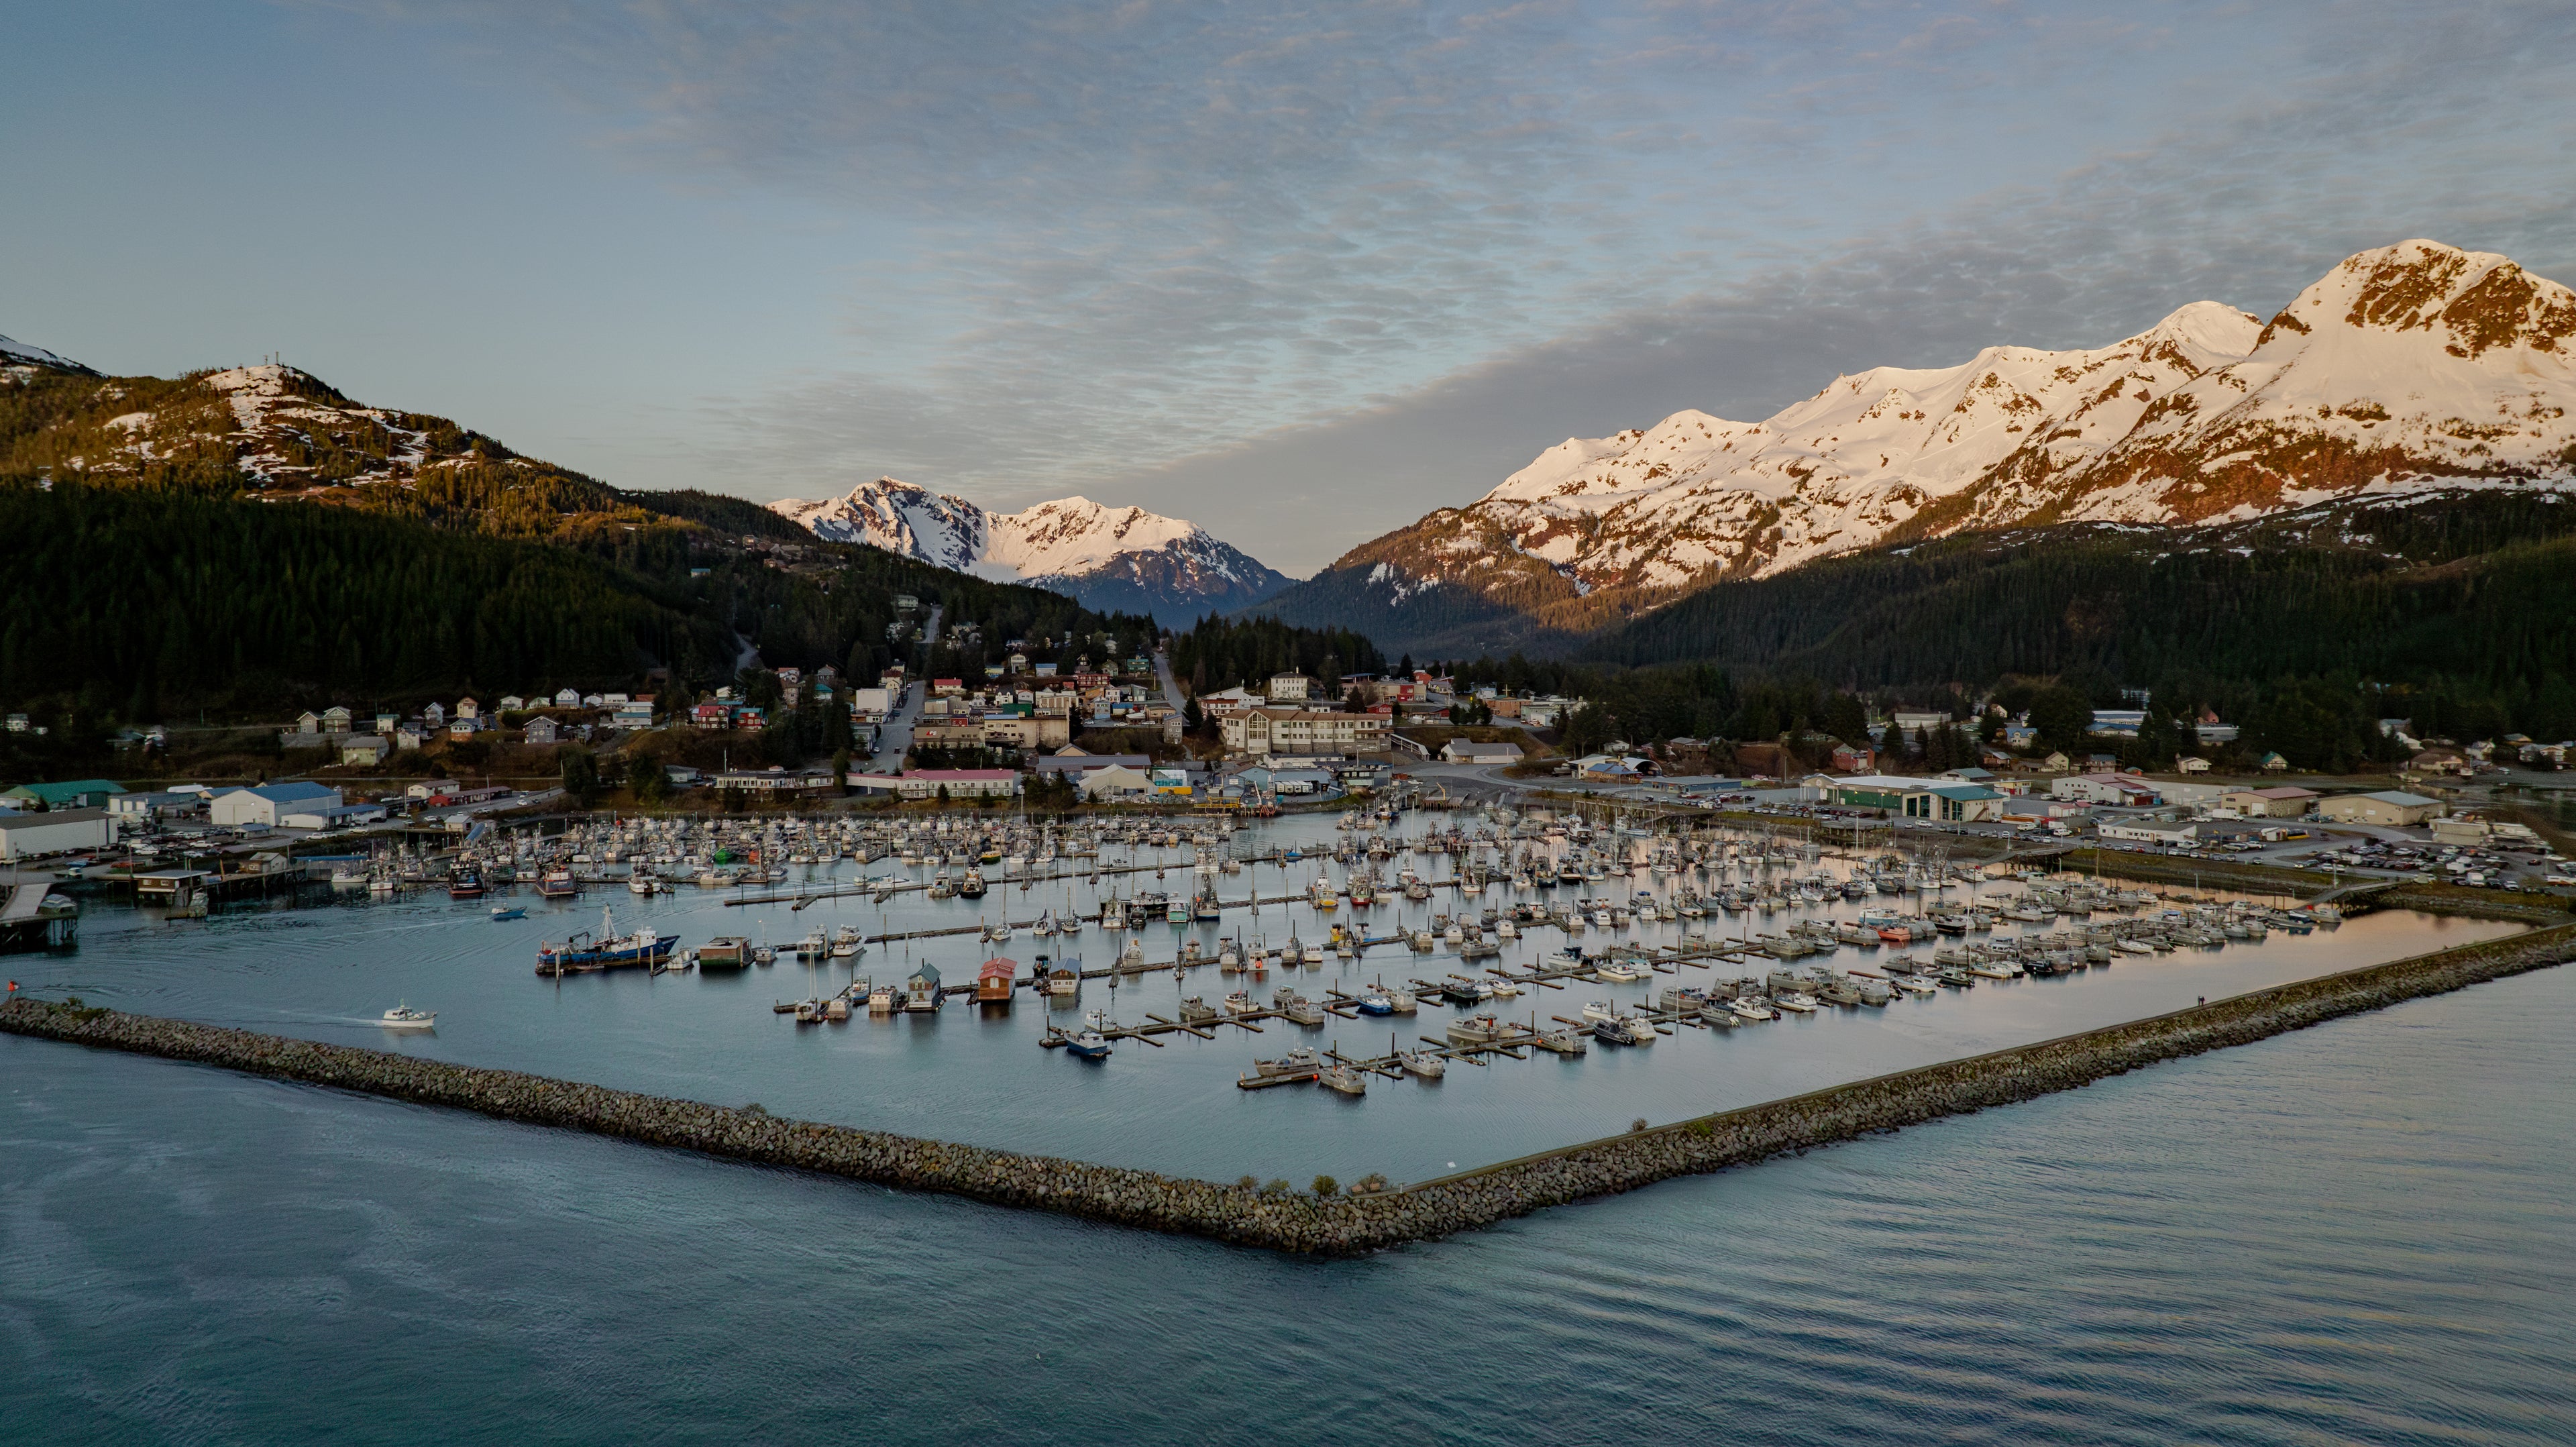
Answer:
x=1112 y=559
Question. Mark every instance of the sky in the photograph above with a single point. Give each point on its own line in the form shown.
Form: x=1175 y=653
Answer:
x=1299 y=272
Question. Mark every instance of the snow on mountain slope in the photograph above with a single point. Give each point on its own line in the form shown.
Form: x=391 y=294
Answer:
x=1124 y=559
x=19 y=354
x=2411 y=366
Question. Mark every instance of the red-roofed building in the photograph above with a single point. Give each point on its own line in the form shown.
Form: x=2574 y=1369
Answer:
x=993 y=983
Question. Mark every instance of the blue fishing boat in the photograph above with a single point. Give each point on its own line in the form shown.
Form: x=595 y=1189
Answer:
x=508 y=911
x=607 y=950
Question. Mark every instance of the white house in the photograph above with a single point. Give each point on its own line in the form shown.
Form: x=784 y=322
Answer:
x=267 y=804
x=2104 y=789
x=567 y=698
x=1460 y=751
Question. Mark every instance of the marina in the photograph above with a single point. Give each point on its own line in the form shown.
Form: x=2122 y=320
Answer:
x=825 y=1012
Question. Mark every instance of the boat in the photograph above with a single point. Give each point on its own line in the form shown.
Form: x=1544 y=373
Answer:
x=1087 y=1044
x=1422 y=1064
x=1375 y=1002
x=724 y=952
x=1474 y=1030
x=508 y=911
x=972 y=887
x=1301 y=1061
x=465 y=884
x=607 y=950
x=1345 y=1079
x=404 y=1017
x=1239 y=1003
x=1616 y=1032
x=557 y=884
x=1745 y=1007
x=1600 y=1010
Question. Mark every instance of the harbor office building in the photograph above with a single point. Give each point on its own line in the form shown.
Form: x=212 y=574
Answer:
x=1951 y=803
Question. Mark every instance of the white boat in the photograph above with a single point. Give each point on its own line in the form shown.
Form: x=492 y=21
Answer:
x=1599 y=1010
x=404 y=1017
x=1422 y=1063
x=1641 y=1031
x=1798 y=1001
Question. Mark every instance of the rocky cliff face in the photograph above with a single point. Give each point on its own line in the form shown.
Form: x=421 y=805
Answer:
x=2417 y=365
x=1120 y=559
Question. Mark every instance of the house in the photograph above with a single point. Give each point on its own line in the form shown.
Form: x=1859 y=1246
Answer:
x=747 y=717
x=1969 y=775
x=2388 y=806
x=1461 y=751
x=308 y=722
x=1610 y=766
x=2191 y=765
x=2118 y=723
x=69 y=794
x=995 y=981
x=365 y=749
x=1917 y=721
x=1289 y=688
x=635 y=713
x=1850 y=760
x=922 y=991
x=467 y=708
x=2275 y=764
x=2020 y=736
x=1073 y=763
x=386 y=723
x=435 y=715
x=512 y=703
x=542 y=730
x=773 y=780
x=1303 y=731
x=2280 y=802
x=59 y=831
x=433 y=789
x=567 y=698
x=17 y=723
x=464 y=729
x=335 y=719
x=269 y=803
x=947 y=687
x=711 y=716
x=410 y=736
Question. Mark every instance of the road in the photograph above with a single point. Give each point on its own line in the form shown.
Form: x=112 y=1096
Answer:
x=895 y=737
x=1163 y=671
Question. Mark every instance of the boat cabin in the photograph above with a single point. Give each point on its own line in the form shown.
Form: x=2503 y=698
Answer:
x=921 y=992
x=993 y=982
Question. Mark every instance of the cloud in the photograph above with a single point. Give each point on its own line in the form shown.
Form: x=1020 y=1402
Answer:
x=1299 y=271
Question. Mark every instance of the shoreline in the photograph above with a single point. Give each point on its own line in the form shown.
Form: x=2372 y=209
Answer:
x=1302 y=1224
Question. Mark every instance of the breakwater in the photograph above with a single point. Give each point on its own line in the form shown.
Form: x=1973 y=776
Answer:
x=1304 y=1223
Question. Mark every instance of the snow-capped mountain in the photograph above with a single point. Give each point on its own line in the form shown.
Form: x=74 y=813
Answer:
x=2413 y=366
x=19 y=354
x=1112 y=559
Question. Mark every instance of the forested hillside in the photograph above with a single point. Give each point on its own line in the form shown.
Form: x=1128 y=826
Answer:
x=1224 y=652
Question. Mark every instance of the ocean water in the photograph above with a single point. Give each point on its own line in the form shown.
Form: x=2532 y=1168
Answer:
x=2355 y=1233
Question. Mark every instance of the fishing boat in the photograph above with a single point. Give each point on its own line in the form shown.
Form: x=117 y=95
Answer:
x=972 y=887
x=404 y=1017
x=1422 y=1064
x=1375 y=1002
x=1301 y=1061
x=1346 y=1080
x=606 y=950
x=1616 y=1032
x=508 y=911
x=1087 y=1044
x=465 y=884
x=557 y=884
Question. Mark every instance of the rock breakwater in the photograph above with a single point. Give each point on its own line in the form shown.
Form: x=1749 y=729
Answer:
x=1339 y=1225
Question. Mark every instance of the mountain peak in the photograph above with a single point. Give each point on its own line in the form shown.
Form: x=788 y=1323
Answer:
x=1110 y=558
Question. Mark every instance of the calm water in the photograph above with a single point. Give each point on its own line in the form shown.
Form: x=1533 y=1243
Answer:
x=961 y=1075
x=2356 y=1233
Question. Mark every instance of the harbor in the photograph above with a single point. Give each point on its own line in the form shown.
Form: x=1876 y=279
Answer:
x=1458 y=942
